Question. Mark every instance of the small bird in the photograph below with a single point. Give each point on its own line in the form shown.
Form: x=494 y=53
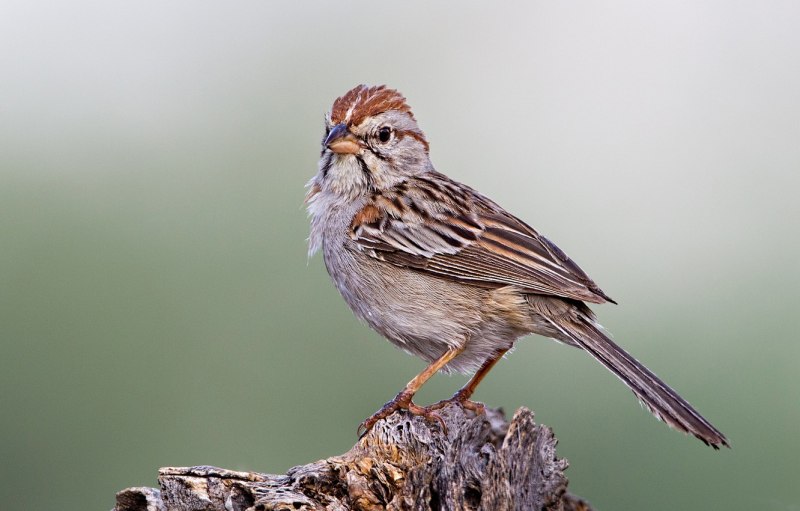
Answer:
x=445 y=273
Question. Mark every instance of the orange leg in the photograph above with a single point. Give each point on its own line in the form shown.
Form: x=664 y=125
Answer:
x=402 y=401
x=464 y=393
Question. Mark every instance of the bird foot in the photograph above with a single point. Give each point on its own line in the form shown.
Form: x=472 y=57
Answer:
x=460 y=398
x=401 y=401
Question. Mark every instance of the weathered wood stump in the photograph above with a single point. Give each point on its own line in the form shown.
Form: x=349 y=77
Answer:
x=404 y=463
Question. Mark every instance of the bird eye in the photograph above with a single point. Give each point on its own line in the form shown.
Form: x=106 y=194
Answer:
x=384 y=134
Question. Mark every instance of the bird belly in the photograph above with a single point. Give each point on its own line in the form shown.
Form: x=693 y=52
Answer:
x=426 y=315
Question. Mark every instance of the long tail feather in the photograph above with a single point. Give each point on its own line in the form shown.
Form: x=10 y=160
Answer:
x=657 y=396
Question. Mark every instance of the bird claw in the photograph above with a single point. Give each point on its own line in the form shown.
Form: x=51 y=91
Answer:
x=462 y=399
x=400 y=402
x=429 y=413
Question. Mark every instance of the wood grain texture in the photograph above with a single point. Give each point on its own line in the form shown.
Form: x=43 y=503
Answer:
x=403 y=463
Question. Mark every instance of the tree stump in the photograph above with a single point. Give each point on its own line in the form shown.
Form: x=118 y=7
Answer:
x=405 y=463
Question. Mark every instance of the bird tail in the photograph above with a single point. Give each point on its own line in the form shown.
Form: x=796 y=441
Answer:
x=657 y=396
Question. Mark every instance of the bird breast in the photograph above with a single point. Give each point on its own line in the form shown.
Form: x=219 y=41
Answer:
x=423 y=314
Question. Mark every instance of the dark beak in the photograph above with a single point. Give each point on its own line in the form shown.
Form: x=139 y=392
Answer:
x=341 y=141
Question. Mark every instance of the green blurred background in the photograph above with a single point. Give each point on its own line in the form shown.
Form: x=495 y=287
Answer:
x=156 y=303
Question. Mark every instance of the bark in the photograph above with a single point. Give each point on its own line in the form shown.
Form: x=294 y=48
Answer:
x=404 y=463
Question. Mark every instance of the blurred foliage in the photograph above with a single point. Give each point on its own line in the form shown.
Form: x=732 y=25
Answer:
x=156 y=303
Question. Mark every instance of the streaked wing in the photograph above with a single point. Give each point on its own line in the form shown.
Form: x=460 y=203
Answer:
x=434 y=225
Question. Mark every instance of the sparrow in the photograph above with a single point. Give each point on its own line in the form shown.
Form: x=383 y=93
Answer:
x=445 y=273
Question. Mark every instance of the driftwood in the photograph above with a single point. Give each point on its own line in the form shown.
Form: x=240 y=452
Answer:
x=404 y=463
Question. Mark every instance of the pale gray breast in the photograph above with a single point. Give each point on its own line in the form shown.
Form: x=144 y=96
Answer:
x=422 y=314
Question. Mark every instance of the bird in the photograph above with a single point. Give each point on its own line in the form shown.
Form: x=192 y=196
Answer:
x=445 y=273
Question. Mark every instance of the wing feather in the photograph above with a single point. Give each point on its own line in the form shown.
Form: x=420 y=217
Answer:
x=434 y=225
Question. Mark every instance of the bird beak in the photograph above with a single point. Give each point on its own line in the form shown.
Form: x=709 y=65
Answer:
x=341 y=141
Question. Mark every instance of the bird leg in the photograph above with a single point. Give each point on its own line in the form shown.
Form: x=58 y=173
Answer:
x=402 y=401
x=462 y=396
